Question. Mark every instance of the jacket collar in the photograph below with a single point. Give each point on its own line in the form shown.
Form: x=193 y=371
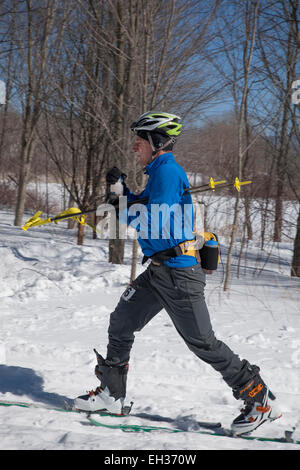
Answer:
x=158 y=161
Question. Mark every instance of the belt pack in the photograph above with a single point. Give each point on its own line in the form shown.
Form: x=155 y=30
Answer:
x=205 y=248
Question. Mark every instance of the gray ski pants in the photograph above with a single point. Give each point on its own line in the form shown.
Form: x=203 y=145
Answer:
x=181 y=293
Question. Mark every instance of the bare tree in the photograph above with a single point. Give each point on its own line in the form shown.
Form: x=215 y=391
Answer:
x=293 y=15
x=35 y=83
x=7 y=16
x=250 y=20
x=279 y=52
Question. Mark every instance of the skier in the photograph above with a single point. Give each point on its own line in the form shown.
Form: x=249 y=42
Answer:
x=175 y=281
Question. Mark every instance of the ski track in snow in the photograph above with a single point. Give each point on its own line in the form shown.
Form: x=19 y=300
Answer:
x=55 y=301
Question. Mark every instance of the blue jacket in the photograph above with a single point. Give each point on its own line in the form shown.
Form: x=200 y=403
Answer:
x=167 y=219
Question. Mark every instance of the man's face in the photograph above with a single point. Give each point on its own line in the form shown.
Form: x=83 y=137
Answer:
x=143 y=150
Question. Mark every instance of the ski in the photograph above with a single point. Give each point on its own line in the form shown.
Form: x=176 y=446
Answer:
x=219 y=431
x=180 y=424
x=185 y=422
x=22 y=404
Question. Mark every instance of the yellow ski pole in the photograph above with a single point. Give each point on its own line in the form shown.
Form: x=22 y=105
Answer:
x=78 y=215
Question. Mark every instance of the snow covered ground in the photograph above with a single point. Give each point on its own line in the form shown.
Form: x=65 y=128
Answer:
x=55 y=302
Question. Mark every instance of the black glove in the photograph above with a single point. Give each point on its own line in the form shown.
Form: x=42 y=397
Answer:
x=113 y=199
x=113 y=175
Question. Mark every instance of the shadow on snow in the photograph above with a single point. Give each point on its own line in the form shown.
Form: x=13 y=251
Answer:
x=22 y=382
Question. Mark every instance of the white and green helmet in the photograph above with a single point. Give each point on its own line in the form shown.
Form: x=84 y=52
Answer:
x=164 y=123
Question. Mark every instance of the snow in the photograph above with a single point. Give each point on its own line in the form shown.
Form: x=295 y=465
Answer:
x=55 y=300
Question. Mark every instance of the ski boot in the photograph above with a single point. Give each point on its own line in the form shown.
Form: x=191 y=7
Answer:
x=109 y=397
x=257 y=408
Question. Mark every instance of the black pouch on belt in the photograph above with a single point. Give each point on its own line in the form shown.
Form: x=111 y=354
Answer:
x=210 y=252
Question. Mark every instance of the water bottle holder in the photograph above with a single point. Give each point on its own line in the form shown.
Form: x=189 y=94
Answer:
x=209 y=256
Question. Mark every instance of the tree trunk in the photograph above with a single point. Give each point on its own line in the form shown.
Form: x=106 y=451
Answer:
x=247 y=202
x=24 y=176
x=295 y=270
x=281 y=175
x=278 y=213
x=71 y=222
x=80 y=234
x=232 y=240
x=117 y=246
x=22 y=185
x=134 y=259
x=116 y=250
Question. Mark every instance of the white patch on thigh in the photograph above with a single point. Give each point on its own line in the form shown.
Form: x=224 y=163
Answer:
x=130 y=291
